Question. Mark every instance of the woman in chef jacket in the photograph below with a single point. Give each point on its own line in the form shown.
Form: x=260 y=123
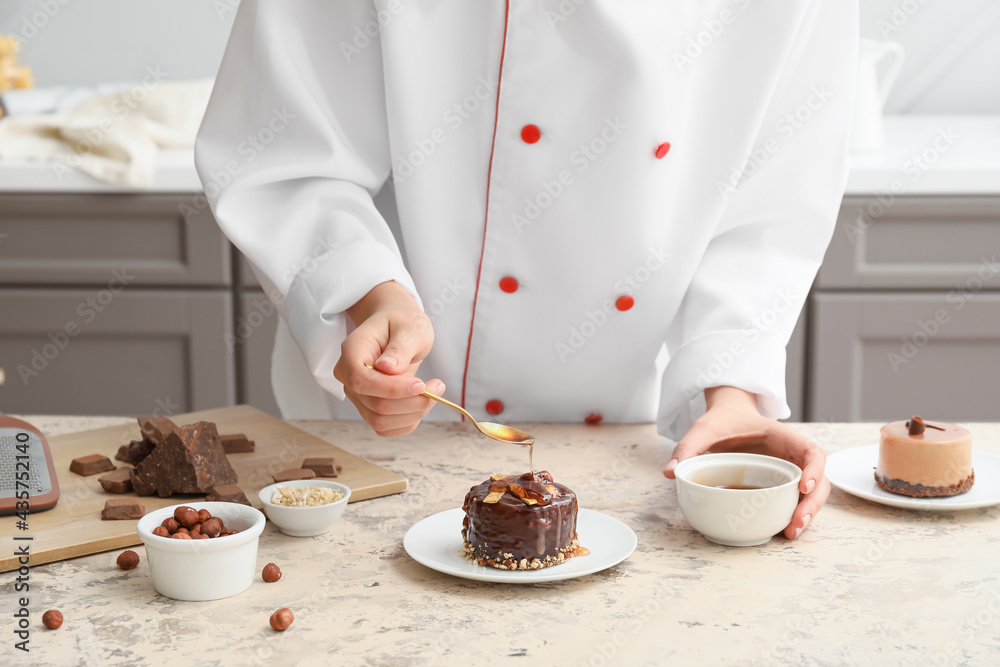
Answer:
x=607 y=211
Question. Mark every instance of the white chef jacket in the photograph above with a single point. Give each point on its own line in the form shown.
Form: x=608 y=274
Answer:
x=581 y=185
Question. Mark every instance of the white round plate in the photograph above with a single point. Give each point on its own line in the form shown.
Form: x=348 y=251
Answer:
x=437 y=540
x=852 y=470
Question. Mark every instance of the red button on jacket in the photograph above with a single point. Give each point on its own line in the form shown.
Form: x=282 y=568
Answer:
x=662 y=150
x=508 y=284
x=531 y=134
x=624 y=303
x=594 y=418
x=494 y=407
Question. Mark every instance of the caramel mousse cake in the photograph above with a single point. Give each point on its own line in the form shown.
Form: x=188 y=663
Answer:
x=925 y=460
x=520 y=522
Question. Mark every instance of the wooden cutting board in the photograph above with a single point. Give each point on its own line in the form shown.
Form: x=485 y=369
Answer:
x=74 y=526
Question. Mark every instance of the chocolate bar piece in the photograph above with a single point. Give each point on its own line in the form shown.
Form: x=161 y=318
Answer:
x=138 y=450
x=293 y=474
x=156 y=429
x=122 y=454
x=91 y=465
x=237 y=443
x=189 y=460
x=326 y=466
x=228 y=493
x=122 y=508
x=117 y=481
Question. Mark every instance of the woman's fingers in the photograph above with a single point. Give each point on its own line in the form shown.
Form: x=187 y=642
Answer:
x=695 y=442
x=402 y=406
x=789 y=444
x=809 y=506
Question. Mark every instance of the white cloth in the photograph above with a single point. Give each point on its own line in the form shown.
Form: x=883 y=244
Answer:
x=114 y=137
x=716 y=243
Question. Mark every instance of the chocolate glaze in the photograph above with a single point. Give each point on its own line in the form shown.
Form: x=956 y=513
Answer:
x=511 y=526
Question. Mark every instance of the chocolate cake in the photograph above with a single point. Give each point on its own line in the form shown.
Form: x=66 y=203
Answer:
x=520 y=522
x=921 y=459
x=190 y=459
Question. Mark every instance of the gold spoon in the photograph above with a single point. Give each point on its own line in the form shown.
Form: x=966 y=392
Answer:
x=501 y=432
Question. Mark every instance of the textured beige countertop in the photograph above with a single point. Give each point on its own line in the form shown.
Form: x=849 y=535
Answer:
x=865 y=585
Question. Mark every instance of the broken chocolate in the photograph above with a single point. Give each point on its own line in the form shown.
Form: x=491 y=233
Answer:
x=189 y=460
x=117 y=481
x=91 y=465
x=326 y=466
x=237 y=443
x=138 y=450
x=291 y=475
x=122 y=508
x=156 y=429
x=122 y=454
x=228 y=493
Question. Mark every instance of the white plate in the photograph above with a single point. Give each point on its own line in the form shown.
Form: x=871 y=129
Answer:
x=437 y=540
x=852 y=470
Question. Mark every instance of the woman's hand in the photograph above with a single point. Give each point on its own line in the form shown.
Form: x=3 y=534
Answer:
x=394 y=336
x=732 y=423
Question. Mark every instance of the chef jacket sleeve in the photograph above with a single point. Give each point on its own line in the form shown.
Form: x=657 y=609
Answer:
x=746 y=294
x=291 y=150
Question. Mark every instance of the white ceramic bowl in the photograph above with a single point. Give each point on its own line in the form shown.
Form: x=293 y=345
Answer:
x=737 y=517
x=304 y=521
x=210 y=569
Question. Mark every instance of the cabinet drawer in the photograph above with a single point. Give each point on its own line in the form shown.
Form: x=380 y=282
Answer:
x=795 y=369
x=80 y=239
x=914 y=242
x=100 y=353
x=882 y=357
x=254 y=336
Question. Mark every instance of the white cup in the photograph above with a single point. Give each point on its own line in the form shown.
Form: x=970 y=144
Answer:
x=737 y=517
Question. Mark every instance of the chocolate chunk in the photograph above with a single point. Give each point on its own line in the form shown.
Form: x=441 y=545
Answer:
x=326 y=466
x=156 y=429
x=228 y=493
x=189 y=460
x=290 y=475
x=237 y=444
x=117 y=481
x=140 y=485
x=122 y=508
x=122 y=454
x=138 y=450
x=91 y=465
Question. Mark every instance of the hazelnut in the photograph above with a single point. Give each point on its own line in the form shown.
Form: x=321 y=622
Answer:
x=203 y=516
x=281 y=619
x=170 y=524
x=271 y=573
x=187 y=518
x=128 y=559
x=181 y=536
x=196 y=528
x=182 y=530
x=179 y=511
x=199 y=536
x=212 y=527
x=161 y=531
x=53 y=618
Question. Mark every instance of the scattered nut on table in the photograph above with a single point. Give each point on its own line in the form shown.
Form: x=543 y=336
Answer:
x=53 y=618
x=128 y=559
x=281 y=619
x=271 y=573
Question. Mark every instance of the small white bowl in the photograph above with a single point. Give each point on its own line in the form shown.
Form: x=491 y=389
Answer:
x=304 y=521
x=737 y=517
x=211 y=569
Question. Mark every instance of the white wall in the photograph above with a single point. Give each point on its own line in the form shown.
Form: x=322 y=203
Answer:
x=953 y=46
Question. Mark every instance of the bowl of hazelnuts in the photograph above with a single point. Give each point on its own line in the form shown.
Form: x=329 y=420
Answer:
x=201 y=551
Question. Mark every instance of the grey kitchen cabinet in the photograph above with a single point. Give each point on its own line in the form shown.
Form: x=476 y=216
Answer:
x=254 y=335
x=113 y=351
x=905 y=314
x=795 y=368
x=81 y=239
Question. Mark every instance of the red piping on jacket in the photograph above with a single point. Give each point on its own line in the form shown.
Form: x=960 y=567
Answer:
x=489 y=181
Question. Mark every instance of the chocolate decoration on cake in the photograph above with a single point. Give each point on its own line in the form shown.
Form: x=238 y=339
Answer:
x=189 y=460
x=917 y=426
x=520 y=522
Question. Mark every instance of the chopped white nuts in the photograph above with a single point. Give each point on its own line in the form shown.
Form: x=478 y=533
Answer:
x=305 y=496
